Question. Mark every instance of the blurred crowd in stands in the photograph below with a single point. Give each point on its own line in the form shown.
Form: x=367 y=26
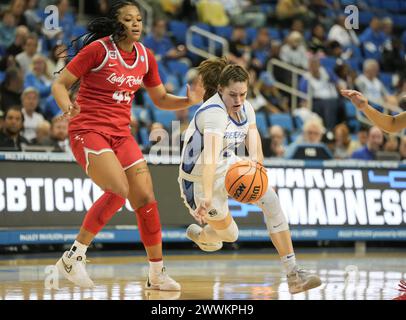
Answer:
x=309 y=35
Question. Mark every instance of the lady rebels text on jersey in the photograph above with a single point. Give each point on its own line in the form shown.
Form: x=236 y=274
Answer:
x=109 y=78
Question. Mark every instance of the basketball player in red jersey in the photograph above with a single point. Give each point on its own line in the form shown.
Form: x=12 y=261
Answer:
x=113 y=65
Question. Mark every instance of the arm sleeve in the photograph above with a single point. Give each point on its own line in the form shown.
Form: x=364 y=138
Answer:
x=88 y=58
x=43 y=89
x=249 y=109
x=152 y=78
x=213 y=120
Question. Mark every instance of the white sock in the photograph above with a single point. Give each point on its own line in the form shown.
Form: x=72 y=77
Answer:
x=289 y=262
x=155 y=268
x=208 y=234
x=78 y=249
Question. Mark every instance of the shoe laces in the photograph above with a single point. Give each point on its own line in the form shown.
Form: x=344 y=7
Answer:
x=163 y=273
x=164 y=276
x=300 y=273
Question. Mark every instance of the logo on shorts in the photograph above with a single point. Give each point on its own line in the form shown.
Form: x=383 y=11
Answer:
x=78 y=137
x=212 y=213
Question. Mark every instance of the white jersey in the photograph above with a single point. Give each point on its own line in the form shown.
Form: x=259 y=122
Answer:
x=212 y=117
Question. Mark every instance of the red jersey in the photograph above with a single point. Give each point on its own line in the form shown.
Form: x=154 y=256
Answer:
x=109 y=77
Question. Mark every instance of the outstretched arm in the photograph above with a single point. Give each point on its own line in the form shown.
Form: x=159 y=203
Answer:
x=166 y=101
x=387 y=123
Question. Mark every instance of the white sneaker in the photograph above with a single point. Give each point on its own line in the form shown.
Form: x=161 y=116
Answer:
x=164 y=283
x=192 y=233
x=301 y=280
x=74 y=269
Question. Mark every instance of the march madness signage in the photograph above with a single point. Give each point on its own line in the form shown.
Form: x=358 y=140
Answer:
x=337 y=197
x=45 y=193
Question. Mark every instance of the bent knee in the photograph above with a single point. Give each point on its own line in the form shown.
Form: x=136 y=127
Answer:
x=120 y=189
x=144 y=199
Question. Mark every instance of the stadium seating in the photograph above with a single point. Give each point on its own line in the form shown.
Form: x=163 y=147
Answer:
x=298 y=123
x=174 y=71
x=386 y=79
x=224 y=32
x=404 y=38
x=399 y=20
x=350 y=109
x=390 y=5
x=178 y=30
x=262 y=124
x=365 y=17
x=328 y=63
x=347 y=2
x=251 y=34
x=144 y=134
x=177 y=67
x=141 y=114
x=282 y=119
x=164 y=117
x=355 y=64
x=275 y=34
x=351 y=115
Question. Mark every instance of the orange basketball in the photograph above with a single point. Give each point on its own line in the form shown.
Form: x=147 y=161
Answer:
x=246 y=181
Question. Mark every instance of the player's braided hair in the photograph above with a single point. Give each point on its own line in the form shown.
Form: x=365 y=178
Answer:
x=210 y=71
x=104 y=26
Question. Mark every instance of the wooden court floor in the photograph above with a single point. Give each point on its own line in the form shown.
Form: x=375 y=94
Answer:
x=245 y=276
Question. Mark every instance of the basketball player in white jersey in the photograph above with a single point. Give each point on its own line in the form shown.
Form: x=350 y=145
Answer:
x=220 y=125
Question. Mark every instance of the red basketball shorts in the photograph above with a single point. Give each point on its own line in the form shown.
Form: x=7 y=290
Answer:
x=125 y=148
